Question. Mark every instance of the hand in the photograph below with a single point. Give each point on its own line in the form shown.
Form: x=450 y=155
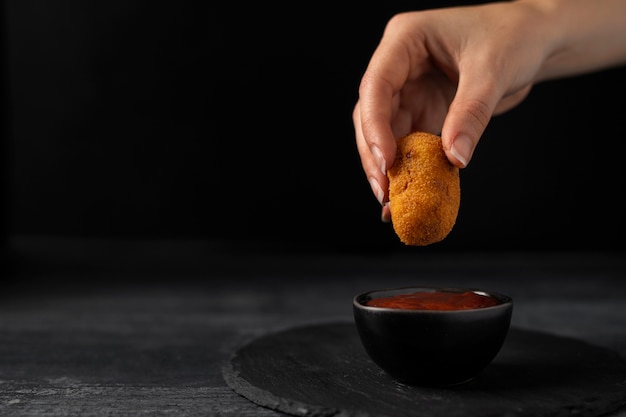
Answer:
x=446 y=71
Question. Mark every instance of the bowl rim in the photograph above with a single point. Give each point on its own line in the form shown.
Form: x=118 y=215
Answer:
x=506 y=301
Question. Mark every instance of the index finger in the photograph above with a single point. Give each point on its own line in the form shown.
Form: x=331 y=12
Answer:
x=379 y=100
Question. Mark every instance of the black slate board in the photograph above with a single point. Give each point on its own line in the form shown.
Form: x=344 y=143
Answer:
x=323 y=370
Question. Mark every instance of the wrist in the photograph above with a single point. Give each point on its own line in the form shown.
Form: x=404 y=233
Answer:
x=581 y=35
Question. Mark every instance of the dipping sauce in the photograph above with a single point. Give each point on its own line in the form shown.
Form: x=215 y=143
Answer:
x=435 y=300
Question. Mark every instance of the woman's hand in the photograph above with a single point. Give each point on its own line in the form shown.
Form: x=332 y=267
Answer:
x=448 y=71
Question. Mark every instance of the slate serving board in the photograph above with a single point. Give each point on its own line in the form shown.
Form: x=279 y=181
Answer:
x=322 y=370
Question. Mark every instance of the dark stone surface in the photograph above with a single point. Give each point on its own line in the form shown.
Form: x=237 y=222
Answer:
x=117 y=328
x=322 y=370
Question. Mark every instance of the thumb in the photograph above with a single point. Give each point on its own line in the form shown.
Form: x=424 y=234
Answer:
x=467 y=118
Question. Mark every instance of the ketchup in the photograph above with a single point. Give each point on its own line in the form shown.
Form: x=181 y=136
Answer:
x=437 y=300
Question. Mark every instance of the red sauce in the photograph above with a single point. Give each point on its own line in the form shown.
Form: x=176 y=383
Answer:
x=437 y=300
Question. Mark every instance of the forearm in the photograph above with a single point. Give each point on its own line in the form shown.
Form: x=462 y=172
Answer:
x=583 y=35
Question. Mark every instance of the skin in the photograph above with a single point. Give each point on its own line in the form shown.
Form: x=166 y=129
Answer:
x=450 y=70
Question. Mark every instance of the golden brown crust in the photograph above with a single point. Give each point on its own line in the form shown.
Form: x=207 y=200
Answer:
x=424 y=190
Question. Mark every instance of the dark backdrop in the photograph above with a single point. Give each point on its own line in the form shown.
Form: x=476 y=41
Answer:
x=148 y=119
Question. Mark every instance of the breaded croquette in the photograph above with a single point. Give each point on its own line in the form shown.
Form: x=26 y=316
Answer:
x=424 y=190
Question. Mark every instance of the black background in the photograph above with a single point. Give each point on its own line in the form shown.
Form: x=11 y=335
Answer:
x=185 y=120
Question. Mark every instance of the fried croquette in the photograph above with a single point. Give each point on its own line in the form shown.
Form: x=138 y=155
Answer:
x=424 y=190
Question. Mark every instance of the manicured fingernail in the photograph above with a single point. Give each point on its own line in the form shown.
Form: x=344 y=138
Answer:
x=385 y=214
x=380 y=159
x=378 y=191
x=462 y=148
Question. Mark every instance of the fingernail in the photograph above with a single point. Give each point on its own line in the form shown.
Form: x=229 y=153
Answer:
x=380 y=159
x=462 y=148
x=378 y=191
x=385 y=214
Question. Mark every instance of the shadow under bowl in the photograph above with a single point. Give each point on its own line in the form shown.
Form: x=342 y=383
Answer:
x=432 y=347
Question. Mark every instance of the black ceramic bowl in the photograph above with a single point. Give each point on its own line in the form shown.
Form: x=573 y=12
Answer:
x=432 y=347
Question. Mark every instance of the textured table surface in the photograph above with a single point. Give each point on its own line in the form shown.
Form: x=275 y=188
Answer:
x=118 y=329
